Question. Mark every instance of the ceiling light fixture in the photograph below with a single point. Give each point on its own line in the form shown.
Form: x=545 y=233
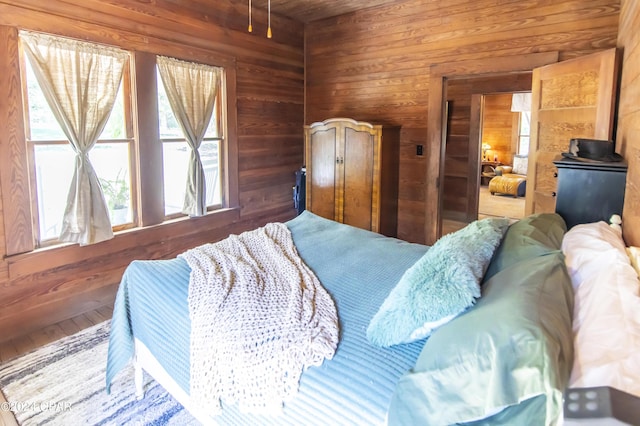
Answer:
x=250 y=28
x=269 y=27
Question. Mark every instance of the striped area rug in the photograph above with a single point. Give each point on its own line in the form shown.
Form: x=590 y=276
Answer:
x=63 y=383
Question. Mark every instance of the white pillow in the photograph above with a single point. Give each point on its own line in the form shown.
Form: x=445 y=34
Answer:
x=606 y=317
x=583 y=242
x=520 y=165
x=634 y=256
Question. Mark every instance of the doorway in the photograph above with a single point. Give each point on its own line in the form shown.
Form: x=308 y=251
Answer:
x=467 y=167
x=440 y=76
x=595 y=118
x=503 y=138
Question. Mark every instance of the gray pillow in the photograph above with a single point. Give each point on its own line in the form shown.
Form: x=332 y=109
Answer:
x=513 y=347
x=534 y=235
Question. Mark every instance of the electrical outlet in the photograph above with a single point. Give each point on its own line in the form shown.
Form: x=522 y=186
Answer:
x=419 y=150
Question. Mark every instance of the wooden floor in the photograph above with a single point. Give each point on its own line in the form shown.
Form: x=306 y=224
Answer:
x=490 y=206
x=23 y=344
x=500 y=205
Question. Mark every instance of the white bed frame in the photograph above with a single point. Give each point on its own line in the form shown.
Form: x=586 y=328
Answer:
x=145 y=361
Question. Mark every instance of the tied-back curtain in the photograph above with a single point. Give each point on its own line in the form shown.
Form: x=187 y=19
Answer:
x=80 y=82
x=192 y=90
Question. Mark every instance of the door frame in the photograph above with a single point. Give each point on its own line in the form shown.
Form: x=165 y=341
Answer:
x=436 y=140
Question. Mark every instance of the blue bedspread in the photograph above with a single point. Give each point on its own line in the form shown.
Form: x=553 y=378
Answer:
x=358 y=268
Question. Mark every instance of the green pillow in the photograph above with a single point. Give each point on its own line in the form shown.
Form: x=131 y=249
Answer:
x=534 y=235
x=439 y=286
x=511 y=349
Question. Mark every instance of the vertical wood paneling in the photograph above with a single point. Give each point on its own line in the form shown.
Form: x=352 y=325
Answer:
x=497 y=127
x=148 y=137
x=18 y=238
x=628 y=139
x=412 y=178
x=374 y=65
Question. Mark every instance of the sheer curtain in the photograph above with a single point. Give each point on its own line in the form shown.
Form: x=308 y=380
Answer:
x=192 y=90
x=80 y=82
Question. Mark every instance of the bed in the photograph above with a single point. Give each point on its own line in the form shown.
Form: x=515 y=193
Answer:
x=336 y=253
x=506 y=357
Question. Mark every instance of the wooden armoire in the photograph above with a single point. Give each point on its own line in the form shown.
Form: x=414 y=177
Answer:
x=352 y=173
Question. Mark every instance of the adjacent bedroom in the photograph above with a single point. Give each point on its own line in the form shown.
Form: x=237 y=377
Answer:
x=319 y=212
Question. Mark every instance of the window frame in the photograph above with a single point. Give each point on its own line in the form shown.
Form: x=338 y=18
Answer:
x=222 y=141
x=147 y=134
x=14 y=159
x=31 y=144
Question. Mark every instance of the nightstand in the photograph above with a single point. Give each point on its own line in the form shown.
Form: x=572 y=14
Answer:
x=589 y=191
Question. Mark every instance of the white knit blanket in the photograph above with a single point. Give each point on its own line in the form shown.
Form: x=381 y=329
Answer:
x=259 y=317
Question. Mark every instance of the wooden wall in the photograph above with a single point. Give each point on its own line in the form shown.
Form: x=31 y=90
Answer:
x=497 y=127
x=50 y=285
x=628 y=130
x=374 y=65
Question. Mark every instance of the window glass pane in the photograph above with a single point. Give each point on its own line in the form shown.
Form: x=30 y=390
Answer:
x=54 y=170
x=111 y=163
x=115 y=127
x=212 y=131
x=525 y=129
x=525 y=123
x=176 y=167
x=210 y=157
x=169 y=127
x=523 y=146
x=43 y=124
x=54 y=166
x=45 y=127
x=176 y=161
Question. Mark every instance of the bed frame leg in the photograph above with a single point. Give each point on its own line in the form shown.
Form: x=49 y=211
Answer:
x=139 y=381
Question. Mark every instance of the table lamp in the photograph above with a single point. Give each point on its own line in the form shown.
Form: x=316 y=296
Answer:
x=485 y=147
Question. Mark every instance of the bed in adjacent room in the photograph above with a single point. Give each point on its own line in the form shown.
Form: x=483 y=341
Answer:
x=501 y=350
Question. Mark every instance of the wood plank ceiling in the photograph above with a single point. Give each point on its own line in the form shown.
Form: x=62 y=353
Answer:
x=313 y=10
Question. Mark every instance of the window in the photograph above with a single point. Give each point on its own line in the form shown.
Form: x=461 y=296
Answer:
x=53 y=162
x=176 y=153
x=43 y=159
x=524 y=133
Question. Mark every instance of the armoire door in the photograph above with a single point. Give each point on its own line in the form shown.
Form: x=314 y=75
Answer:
x=322 y=168
x=356 y=190
x=570 y=99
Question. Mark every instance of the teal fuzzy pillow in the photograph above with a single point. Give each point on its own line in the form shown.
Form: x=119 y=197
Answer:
x=439 y=286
